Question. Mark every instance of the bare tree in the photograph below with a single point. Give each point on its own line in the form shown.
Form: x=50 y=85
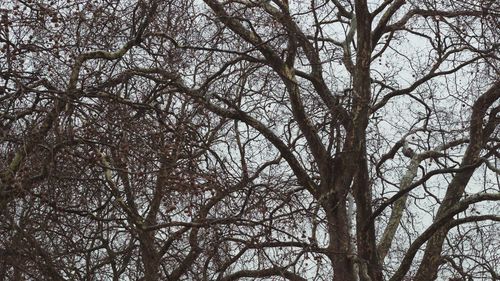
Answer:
x=227 y=140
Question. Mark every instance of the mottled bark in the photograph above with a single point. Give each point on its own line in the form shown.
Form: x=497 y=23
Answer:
x=339 y=243
x=365 y=228
x=397 y=210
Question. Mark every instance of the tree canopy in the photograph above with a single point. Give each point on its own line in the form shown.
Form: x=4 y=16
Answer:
x=249 y=140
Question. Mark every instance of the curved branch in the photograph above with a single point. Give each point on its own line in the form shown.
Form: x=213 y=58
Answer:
x=275 y=271
x=444 y=222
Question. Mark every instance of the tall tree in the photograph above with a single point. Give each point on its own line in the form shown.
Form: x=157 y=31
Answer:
x=224 y=140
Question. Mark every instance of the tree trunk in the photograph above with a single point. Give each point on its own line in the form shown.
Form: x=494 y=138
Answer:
x=339 y=244
x=150 y=259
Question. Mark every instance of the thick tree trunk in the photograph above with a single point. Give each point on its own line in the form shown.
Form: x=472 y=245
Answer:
x=339 y=245
x=369 y=265
x=150 y=259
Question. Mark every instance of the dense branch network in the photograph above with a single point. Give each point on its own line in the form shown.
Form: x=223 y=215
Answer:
x=237 y=140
